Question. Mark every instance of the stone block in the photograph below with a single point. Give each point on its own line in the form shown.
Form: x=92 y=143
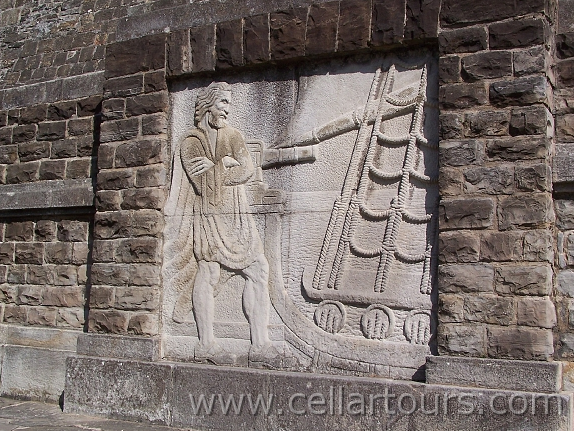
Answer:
x=229 y=44
x=565 y=282
x=155 y=81
x=146 y=223
x=287 y=33
x=33 y=373
x=495 y=180
x=486 y=123
x=112 y=225
x=22 y=172
x=33 y=114
x=52 y=170
x=136 y=298
x=23 y=133
x=461 y=153
x=19 y=231
x=463 y=96
x=153 y=198
x=491 y=309
x=487 y=65
x=450 y=308
x=140 y=153
x=73 y=231
x=256 y=39
x=178 y=52
x=87 y=84
x=40 y=274
x=155 y=124
x=144 y=275
x=58 y=253
x=539 y=245
x=530 y=61
x=121 y=347
x=65 y=275
x=115 y=179
x=534 y=210
x=520 y=91
x=113 y=275
x=322 y=23
x=501 y=246
x=450 y=127
x=519 y=148
x=70 y=318
x=520 y=343
x=519 y=33
x=449 y=70
x=138 y=250
x=422 y=19
x=460 y=12
x=538 y=312
x=15 y=314
x=462 y=339
x=76 y=169
x=16 y=274
x=108 y=200
x=108 y=321
x=42 y=316
x=151 y=176
x=119 y=130
x=29 y=252
x=137 y=55
x=61 y=111
x=123 y=86
x=63 y=149
x=472 y=213
x=533 y=120
x=48 y=194
x=563 y=161
x=101 y=296
x=458 y=247
x=51 y=131
x=80 y=252
x=564 y=214
x=466 y=278
x=565 y=44
x=8 y=154
x=33 y=151
x=202 y=41
x=89 y=106
x=504 y=374
x=145 y=324
x=30 y=295
x=6 y=136
x=387 y=25
x=564 y=127
x=471 y=39
x=354 y=25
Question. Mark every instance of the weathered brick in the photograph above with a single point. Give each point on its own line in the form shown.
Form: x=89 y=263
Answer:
x=520 y=91
x=143 y=324
x=516 y=34
x=256 y=39
x=450 y=308
x=450 y=127
x=354 y=25
x=519 y=148
x=115 y=179
x=422 y=19
x=154 y=124
x=155 y=81
x=144 y=198
x=8 y=154
x=287 y=33
x=459 y=339
x=467 y=278
x=23 y=133
x=19 y=231
x=458 y=247
x=229 y=44
x=461 y=153
x=29 y=252
x=490 y=180
x=33 y=114
x=80 y=127
x=61 y=111
x=532 y=210
x=486 y=65
x=449 y=69
x=529 y=280
x=119 y=130
x=450 y=181
x=532 y=120
x=52 y=170
x=486 y=123
x=463 y=40
x=472 y=213
x=72 y=231
x=108 y=321
x=108 y=200
x=136 y=298
x=63 y=296
x=58 y=253
x=520 y=343
x=70 y=318
x=178 y=52
x=112 y=225
x=321 y=28
x=387 y=22
x=533 y=178
x=139 y=153
x=112 y=275
x=459 y=12
x=501 y=246
x=45 y=230
x=33 y=151
x=15 y=314
x=530 y=61
x=491 y=309
x=78 y=168
x=564 y=214
x=202 y=40
x=462 y=96
x=147 y=104
x=135 y=55
x=138 y=250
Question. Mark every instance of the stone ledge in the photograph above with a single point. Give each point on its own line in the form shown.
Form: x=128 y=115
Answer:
x=495 y=373
x=47 y=194
x=48 y=338
x=166 y=393
x=120 y=347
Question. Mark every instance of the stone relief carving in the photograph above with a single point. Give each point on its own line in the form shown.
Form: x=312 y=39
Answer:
x=339 y=231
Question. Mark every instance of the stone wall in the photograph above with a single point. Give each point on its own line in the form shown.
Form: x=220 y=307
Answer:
x=84 y=99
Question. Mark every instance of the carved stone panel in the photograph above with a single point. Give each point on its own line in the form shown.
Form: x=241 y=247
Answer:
x=302 y=218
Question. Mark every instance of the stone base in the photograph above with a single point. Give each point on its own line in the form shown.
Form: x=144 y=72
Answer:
x=219 y=398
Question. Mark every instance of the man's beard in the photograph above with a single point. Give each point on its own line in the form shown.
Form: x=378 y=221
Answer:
x=216 y=122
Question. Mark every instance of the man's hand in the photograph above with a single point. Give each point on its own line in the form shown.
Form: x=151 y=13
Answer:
x=199 y=165
x=229 y=162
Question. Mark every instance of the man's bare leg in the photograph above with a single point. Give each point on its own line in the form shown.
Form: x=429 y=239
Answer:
x=256 y=301
x=203 y=302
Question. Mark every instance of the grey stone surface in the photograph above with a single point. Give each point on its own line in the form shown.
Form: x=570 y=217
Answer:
x=47 y=194
x=272 y=400
x=563 y=162
x=121 y=347
x=531 y=376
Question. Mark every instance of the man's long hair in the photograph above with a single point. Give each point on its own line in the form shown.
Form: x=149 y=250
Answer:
x=206 y=98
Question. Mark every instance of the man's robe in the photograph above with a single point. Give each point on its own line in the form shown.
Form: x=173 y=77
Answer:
x=223 y=230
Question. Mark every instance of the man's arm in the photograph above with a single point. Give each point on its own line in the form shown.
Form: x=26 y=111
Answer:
x=243 y=171
x=194 y=161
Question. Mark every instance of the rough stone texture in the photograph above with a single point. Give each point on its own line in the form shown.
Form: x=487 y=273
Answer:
x=494 y=64
x=48 y=194
x=202 y=41
x=463 y=40
x=516 y=34
x=527 y=211
x=531 y=280
x=458 y=246
x=466 y=278
x=288 y=33
x=466 y=213
x=501 y=246
x=461 y=153
x=500 y=374
x=520 y=342
x=229 y=44
x=458 y=12
x=138 y=55
x=387 y=21
x=123 y=347
x=489 y=309
x=322 y=23
x=354 y=25
x=256 y=39
x=520 y=91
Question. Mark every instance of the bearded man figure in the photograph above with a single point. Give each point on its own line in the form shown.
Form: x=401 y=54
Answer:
x=218 y=164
